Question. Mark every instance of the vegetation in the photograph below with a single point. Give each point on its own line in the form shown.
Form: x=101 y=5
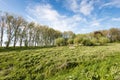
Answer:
x=33 y=55
x=70 y=41
x=60 y=41
x=61 y=63
x=87 y=42
x=19 y=32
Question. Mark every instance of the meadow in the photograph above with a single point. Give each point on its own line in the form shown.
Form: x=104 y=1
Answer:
x=61 y=63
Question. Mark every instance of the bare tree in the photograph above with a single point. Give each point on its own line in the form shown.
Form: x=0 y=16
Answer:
x=31 y=34
x=2 y=25
x=10 y=31
x=22 y=33
x=17 y=24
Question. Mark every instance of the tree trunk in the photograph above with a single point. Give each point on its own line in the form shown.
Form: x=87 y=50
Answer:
x=15 y=35
x=1 y=42
x=8 y=43
x=2 y=31
x=21 y=42
x=14 y=45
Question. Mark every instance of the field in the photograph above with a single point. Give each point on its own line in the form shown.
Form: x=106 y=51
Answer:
x=61 y=63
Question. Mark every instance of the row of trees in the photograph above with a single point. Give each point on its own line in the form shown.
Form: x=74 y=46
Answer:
x=100 y=37
x=15 y=30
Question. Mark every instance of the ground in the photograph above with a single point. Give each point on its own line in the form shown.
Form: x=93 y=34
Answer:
x=61 y=63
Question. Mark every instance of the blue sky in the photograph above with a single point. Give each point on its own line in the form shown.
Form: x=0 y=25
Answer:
x=79 y=16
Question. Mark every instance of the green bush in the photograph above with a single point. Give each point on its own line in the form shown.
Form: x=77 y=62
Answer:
x=70 y=41
x=60 y=41
x=87 y=42
x=77 y=40
x=94 y=41
x=103 y=40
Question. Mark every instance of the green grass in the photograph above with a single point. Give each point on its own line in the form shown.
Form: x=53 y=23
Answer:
x=61 y=63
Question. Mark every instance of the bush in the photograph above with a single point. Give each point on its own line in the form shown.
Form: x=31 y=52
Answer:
x=77 y=40
x=70 y=41
x=87 y=42
x=94 y=41
x=103 y=40
x=60 y=41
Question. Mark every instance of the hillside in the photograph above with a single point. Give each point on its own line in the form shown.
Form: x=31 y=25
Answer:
x=61 y=63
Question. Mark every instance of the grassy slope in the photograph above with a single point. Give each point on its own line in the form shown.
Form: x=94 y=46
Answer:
x=61 y=63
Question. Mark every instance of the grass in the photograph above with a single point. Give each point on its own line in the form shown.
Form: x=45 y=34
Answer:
x=61 y=63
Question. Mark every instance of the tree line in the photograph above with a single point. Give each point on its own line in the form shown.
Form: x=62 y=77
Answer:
x=19 y=32
x=96 y=38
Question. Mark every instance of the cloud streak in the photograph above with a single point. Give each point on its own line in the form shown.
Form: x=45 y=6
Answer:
x=112 y=3
x=116 y=19
x=84 y=7
x=45 y=14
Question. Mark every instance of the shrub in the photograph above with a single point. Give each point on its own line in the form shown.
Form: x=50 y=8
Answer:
x=87 y=42
x=77 y=40
x=103 y=40
x=94 y=41
x=60 y=41
x=70 y=41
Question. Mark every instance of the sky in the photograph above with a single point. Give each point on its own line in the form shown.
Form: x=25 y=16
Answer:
x=79 y=16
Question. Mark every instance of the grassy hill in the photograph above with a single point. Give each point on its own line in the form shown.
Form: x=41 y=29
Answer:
x=61 y=63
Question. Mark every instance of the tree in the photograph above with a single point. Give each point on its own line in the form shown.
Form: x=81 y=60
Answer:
x=9 y=25
x=18 y=21
x=57 y=34
x=2 y=25
x=68 y=34
x=98 y=34
x=114 y=34
x=30 y=30
x=23 y=32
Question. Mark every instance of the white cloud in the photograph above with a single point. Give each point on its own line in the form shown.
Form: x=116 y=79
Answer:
x=45 y=14
x=85 y=6
x=96 y=22
x=112 y=3
x=115 y=19
x=72 y=5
